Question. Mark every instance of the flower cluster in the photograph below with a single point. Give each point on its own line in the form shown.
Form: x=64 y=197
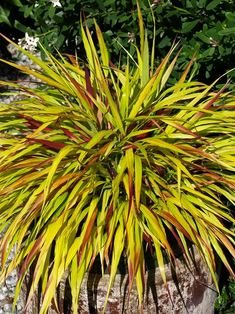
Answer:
x=56 y=3
x=28 y=42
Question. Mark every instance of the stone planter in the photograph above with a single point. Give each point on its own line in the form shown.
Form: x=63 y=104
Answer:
x=190 y=292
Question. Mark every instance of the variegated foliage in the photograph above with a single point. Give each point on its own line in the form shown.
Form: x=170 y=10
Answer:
x=101 y=161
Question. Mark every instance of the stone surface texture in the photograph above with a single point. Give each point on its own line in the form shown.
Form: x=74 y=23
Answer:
x=190 y=290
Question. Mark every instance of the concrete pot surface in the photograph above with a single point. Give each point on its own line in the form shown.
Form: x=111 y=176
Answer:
x=191 y=291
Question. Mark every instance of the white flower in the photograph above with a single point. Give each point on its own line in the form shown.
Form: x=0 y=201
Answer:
x=155 y=2
x=56 y=3
x=131 y=37
x=28 y=42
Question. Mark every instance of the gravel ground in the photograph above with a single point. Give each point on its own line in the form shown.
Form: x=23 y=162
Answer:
x=7 y=294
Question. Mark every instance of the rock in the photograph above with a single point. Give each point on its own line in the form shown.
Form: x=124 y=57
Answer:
x=189 y=291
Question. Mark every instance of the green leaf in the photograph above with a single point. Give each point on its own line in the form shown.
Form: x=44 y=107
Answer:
x=227 y=31
x=188 y=26
x=4 y=14
x=165 y=42
x=17 y=3
x=51 y=11
x=145 y=64
x=203 y=37
x=20 y=26
x=230 y=16
x=208 y=52
x=213 y=4
x=27 y=11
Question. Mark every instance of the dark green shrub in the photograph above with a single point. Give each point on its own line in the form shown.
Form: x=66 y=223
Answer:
x=204 y=26
x=225 y=303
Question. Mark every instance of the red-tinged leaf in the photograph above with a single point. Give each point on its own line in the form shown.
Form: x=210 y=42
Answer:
x=109 y=213
x=107 y=103
x=199 y=167
x=148 y=240
x=85 y=138
x=78 y=87
x=112 y=65
x=88 y=232
x=222 y=238
x=130 y=274
x=29 y=177
x=41 y=164
x=174 y=222
x=69 y=133
x=197 y=151
x=3 y=253
x=28 y=91
x=227 y=107
x=32 y=254
x=33 y=124
x=89 y=86
x=207 y=106
x=63 y=179
x=179 y=243
x=185 y=130
x=229 y=247
x=35 y=163
x=213 y=175
x=92 y=161
x=43 y=78
x=49 y=144
x=186 y=71
x=132 y=146
x=197 y=236
x=35 y=207
x=99 y=116
x=72 y=59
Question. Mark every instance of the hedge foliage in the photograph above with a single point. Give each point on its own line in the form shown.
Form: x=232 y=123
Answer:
x=204 y=26
x=225 y=303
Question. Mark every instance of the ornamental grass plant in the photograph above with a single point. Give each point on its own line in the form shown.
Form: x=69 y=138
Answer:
x=100 y=161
